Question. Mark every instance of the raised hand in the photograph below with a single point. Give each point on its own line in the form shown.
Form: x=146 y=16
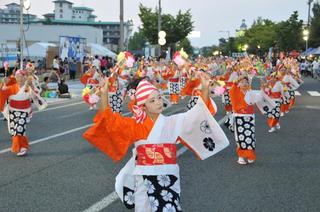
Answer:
x=105 y=86
x=205 y=80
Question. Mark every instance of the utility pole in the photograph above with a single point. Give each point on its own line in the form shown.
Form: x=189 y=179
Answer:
x=121 y=41
x=21 y=34
x=309 y=3
x=159 y=26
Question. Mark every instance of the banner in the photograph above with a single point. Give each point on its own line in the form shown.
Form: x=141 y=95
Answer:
x=72 y=47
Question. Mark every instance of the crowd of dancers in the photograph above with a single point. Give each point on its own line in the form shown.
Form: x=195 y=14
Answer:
x=150 y=180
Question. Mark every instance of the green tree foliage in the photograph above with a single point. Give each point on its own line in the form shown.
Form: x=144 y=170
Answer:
x=261 y=35
x=315 y=26
x=186 y=45
x=264 y=33
x=176 y=27
x=137 y=41
x=289 y=33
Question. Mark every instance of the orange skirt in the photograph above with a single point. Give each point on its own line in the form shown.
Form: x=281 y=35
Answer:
x=272 y=122
x=19 y=142
x=246 y=153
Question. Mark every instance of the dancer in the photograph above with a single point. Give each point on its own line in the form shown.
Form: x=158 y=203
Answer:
x=150 y=180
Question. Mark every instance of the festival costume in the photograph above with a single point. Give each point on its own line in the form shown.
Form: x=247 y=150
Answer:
x=18 y=113
x=276 y=94
x=228 y=79
x=150 y=180
x=244 y=121
x=174 y=86
x=289 y=94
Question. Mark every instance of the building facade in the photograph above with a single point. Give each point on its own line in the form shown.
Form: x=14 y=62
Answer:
x=49 y=33
x=11 y=14
x=66 y=15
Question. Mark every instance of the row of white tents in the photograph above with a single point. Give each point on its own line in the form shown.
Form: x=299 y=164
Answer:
x=39 y=50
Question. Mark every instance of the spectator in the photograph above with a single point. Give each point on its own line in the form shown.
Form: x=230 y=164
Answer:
x=55 y=64
x=44 y=86
x=315 y=68
x=66 y=66
x=96 y=62
x=73 y=68
x=54 y=77
x=63 y=90
x=103 y=63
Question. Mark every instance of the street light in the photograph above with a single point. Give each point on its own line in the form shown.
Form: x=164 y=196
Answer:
x=245 y=47
x=309 y=8
x=24 y=4
x=306 y=37
x=161 y=41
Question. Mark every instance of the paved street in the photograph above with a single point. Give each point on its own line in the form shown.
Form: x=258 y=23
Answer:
x=64 y=173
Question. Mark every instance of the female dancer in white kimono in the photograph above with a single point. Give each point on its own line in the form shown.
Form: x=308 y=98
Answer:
x=150 y=180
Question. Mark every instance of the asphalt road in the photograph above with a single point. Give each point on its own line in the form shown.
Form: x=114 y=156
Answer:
x=65 y=173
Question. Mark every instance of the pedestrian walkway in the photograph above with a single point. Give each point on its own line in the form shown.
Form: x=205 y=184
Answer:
x=75 y=88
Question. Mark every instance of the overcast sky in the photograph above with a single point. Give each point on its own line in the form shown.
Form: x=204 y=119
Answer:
x=209 y=16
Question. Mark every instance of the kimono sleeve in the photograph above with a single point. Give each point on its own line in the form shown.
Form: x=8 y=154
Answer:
x=5 y=93
x=113 y=133
x=200 y=132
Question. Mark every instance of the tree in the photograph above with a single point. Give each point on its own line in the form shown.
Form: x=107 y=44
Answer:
x=177 y=28
x=137 y=41
x=315 y=26
x=289 y=33
x=227 y=47
x=261 y=35
x=186 y=45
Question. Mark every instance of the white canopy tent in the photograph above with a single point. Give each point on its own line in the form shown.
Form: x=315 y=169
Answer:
x=100 y=50
x=38 y=50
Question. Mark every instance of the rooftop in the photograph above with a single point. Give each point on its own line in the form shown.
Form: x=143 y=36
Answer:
x=79 y=22
x=12 y=4
x=83 y=8
x=62 y=1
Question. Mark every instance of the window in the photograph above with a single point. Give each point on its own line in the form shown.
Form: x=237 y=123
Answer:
x=80 y=17
x=60 y=4
x=61 y=16
x=70 y=6
x=61 y=10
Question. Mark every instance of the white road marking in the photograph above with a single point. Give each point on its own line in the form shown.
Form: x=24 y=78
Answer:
x=108 y=200
x=71 y=114
x=61 y=101
x=313 y=107
x=297 y=93
x=314 y=93
x=62 y=106
x=103 y=203
x=54 y=136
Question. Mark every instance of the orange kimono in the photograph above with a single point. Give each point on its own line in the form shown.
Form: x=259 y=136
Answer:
x=155 y=151
x=17 y=129
x=244 y=122
x=113 y=133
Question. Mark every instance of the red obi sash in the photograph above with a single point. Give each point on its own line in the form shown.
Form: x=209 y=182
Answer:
x=229 y=84
x=22 y=104
x=174 y=80
x=248 y=110
x=156 y=154
x=275 y=95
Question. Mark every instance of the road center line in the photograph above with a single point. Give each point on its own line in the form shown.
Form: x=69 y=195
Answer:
x=112 y=197
x=62 y=106
x=55 y=136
